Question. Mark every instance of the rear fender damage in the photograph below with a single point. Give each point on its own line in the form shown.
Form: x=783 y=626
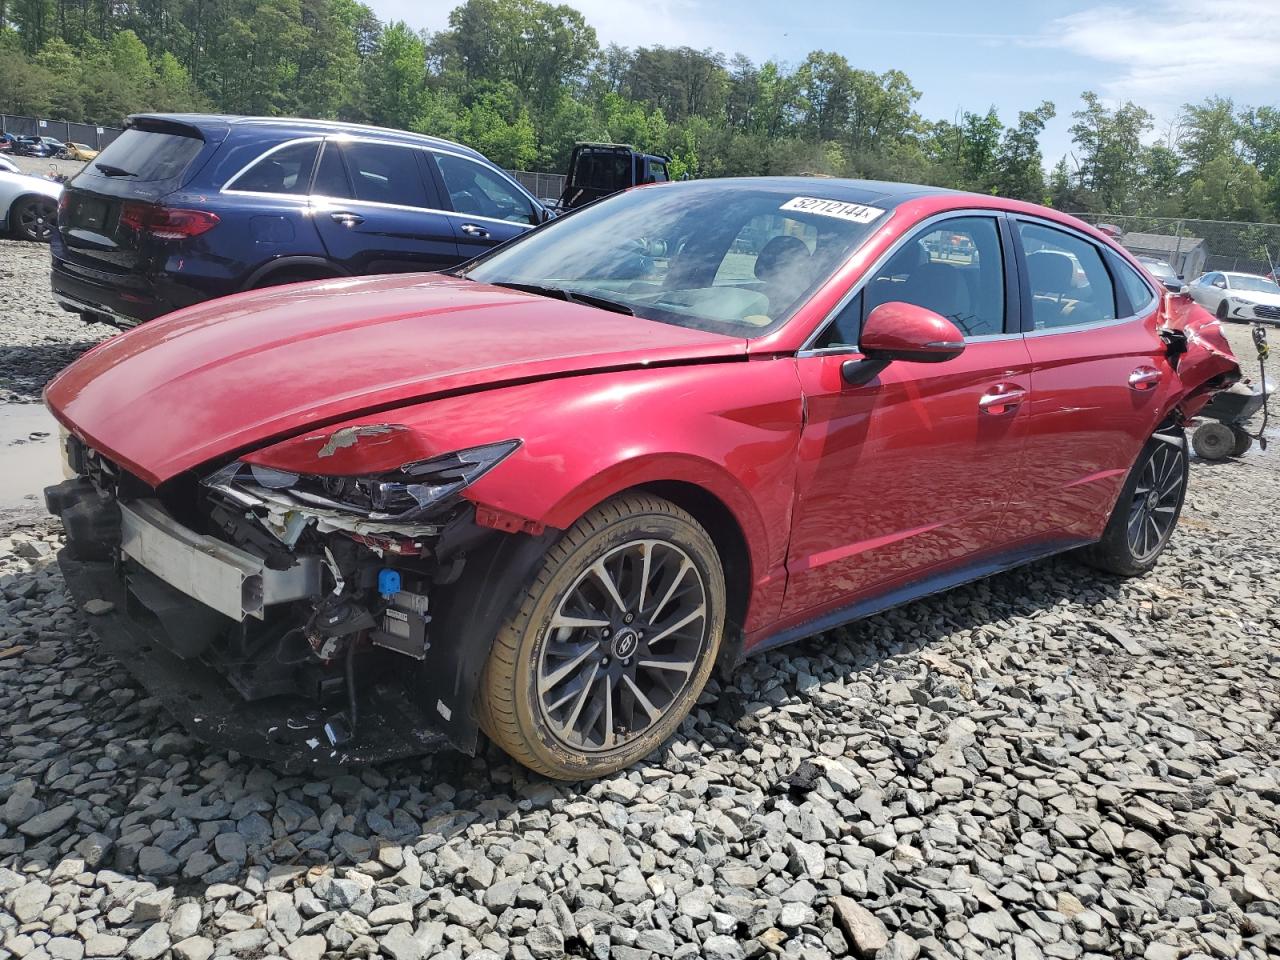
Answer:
x=1201 y=358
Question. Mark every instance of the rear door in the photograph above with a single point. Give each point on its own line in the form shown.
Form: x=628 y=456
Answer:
x=486 y=208
x=1097 y=368
x=376 y=207
x=907 y=476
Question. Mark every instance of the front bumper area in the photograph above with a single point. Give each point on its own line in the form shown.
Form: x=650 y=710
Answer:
x=288 y=730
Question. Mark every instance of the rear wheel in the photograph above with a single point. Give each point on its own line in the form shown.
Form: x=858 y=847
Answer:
x=1147 y=511
x=32 y=218
x=612 y=645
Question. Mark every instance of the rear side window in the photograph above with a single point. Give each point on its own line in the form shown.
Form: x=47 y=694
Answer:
x=147 y=155
x=373 y=172
x=1069 y=282
x=286 y=170
x=1137 y=297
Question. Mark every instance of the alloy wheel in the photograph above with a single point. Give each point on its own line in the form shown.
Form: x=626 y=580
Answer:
x=36 y=219
x=625 y=640
x=1154 y=508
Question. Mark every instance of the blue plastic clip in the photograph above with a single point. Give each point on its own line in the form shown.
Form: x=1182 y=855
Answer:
x=388 y=582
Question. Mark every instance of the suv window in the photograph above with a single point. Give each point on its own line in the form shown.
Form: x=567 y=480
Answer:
x=955 y=268
x=476 y=190
x=150 y=155
x=658 y=172
x=1069 y=283
x=373 y=172
x=286 y=170
x=1135 y=289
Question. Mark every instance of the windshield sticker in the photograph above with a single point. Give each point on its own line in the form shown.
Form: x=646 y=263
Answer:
x=841 y=210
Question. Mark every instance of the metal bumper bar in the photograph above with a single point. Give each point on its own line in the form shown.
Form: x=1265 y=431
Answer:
x=219 y=575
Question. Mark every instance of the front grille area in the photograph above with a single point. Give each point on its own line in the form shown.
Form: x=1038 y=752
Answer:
x=1264 y=311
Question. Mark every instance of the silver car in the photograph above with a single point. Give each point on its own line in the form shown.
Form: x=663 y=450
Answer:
x=28 y=205
x=1238 y=296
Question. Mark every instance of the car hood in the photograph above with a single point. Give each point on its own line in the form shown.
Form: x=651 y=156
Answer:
x=1255 y=296
x=226 y=376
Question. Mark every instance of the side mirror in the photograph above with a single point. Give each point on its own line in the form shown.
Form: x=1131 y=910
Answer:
x=1176 y=286
x=904 y=332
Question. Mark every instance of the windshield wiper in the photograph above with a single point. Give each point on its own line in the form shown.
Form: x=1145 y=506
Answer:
x=113 y=171
x=571 y=296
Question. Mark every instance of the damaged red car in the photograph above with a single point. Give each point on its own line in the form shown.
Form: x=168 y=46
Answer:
x=543 y=496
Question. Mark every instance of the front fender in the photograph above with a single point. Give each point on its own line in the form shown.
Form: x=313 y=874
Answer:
x=730 y=428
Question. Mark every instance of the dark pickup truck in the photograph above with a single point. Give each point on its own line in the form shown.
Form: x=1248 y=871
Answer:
x=599 y=169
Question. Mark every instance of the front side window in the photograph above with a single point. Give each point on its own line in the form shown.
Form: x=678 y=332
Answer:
x=287 y=170
x=478 y=191
x=955 y=268
x=715 y=256
x=658 y=172
x=1244 y=281
x=1069 y=283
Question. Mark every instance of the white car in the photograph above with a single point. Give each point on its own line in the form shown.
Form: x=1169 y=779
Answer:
x=28 y=205
x=1238 y=296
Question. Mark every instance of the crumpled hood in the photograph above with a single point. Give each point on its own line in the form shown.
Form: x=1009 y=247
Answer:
x=235 y=373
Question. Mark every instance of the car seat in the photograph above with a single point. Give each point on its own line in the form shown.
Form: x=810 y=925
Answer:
x=783 y=267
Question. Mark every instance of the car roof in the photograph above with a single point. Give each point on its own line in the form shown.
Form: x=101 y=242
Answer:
x=872 y=192
x=303 y=127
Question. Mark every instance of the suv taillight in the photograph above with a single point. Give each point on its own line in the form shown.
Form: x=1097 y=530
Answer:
x=166 y=223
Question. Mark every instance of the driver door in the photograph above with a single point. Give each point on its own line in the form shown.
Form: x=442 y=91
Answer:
x=487 y=208
x=907 y=476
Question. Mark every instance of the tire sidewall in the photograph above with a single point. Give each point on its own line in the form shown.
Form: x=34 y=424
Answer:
x=541 y=740
x=1117 y=537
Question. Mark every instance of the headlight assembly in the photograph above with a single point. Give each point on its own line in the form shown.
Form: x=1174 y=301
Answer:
x=407 y=494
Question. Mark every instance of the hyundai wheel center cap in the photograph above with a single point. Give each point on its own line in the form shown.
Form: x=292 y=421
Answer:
x=625 y=642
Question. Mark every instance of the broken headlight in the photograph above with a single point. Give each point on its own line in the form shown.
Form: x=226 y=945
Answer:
x=405 y=494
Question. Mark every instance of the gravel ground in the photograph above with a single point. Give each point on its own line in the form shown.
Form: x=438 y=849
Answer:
x=37 y=337
x=40 y=166
x=1050 y=763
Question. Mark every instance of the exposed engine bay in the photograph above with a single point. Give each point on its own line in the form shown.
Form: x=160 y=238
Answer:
x=312 y=598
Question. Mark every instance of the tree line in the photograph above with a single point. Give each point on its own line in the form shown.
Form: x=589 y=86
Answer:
x=522 y=80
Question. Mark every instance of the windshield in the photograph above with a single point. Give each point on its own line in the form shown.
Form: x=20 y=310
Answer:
x=711 y=255
x=1244 y=281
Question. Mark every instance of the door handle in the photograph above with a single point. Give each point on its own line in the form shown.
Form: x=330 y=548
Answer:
x=1145 y=379
x=347 y=219
x=472 y=230
x=1001 y=400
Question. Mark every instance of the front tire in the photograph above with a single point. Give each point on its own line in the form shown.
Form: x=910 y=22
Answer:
x=1222 y=310
x=1147 y=510
x=611 y=646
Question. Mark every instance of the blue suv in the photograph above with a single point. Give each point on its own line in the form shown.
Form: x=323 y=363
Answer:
x=185 y=208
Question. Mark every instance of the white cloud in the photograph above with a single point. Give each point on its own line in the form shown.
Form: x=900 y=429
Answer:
x=1173 y=51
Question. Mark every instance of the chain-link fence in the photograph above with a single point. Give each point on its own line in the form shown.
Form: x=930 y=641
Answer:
x=544 y=186
x=1194 y=247
x=64 y=130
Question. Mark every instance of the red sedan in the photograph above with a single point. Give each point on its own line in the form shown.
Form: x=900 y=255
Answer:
x=544 y=495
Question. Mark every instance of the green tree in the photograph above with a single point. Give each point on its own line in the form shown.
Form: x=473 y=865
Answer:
x=1110 y=150
x=1019 y=166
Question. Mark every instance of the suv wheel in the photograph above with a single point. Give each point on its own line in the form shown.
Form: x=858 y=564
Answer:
x=612 y=644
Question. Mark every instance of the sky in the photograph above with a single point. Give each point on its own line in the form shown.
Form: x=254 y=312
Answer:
x=1010 y=54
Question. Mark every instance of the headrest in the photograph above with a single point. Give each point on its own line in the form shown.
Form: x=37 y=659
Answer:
x=781 y=256
x=1050 y=272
